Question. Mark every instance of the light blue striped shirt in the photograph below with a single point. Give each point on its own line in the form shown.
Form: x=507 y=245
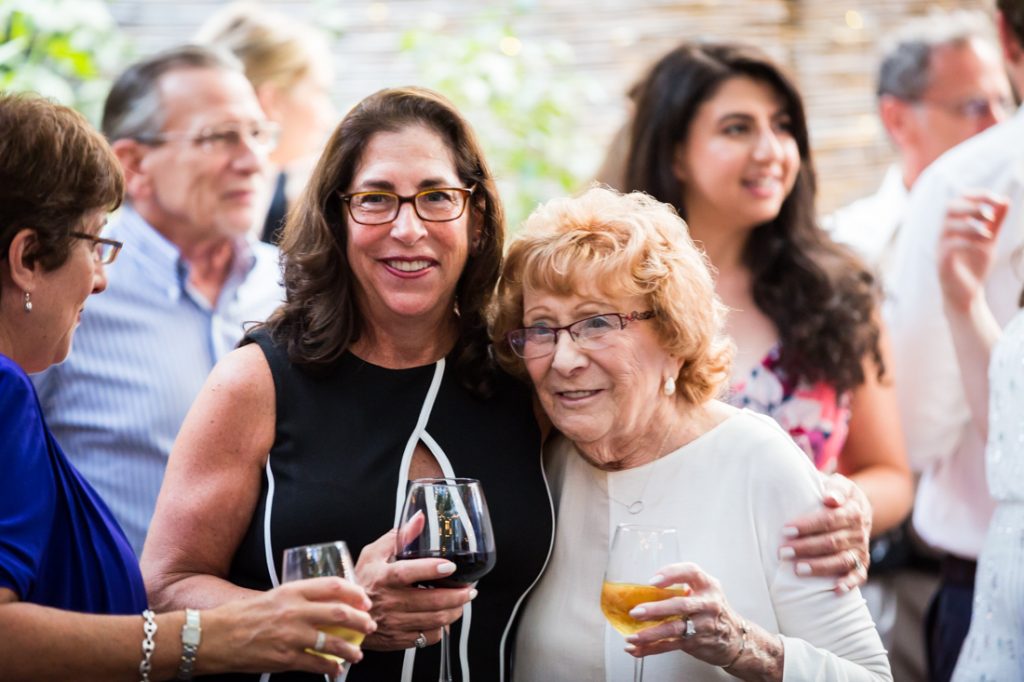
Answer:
x=140 y=357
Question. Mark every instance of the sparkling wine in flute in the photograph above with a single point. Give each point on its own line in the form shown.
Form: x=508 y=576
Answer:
x=618 y=599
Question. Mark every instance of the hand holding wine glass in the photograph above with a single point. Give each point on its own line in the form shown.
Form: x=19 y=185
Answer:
x=456 y=526
x=318 y=561
x=636 y=554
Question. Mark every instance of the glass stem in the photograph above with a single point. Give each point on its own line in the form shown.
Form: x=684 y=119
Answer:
x=638 y=670
x=446 y=663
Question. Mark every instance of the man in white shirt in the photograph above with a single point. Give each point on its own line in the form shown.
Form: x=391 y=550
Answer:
x=193 y=141
x=940 y=82
x=953 y=507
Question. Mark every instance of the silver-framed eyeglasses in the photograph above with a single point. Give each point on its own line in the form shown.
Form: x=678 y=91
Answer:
x=436 y=204
x=973 y=107
x=261 y=136
x=103 y=250
x=590 y=333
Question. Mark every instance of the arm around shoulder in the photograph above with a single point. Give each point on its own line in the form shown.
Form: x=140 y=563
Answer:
x=212 y=485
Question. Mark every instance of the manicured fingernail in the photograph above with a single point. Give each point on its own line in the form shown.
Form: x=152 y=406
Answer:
x=638 y=612
x=630 y=648
x=656 y=579
x=803 y=568
x=838 y=498
x=446 y=568
x=843 y=588
x=632 y=639
x=986 y=212
x=472 y=594
x=790 y=531
x=786 y=552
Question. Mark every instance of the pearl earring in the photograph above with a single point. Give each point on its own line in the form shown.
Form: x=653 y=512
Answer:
x=28 y=302
x=670 y=386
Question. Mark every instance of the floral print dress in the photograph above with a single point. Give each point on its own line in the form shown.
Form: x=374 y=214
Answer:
x=813 y=414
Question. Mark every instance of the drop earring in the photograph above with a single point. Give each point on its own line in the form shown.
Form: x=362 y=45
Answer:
x=28 y=302
x=670 y=386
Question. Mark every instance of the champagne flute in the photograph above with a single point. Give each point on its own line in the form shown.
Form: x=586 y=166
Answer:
x=317 y=561
x=456 y=527
x=636 y=555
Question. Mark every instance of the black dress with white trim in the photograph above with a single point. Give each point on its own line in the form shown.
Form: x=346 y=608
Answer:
x=338 y=470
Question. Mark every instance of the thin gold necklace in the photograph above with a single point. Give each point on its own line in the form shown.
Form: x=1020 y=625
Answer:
x=637 y=505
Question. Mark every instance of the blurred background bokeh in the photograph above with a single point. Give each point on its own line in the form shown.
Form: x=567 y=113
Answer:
x=543 y=81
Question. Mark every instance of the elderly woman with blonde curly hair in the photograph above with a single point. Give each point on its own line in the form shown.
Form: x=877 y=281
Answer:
x=631 y=386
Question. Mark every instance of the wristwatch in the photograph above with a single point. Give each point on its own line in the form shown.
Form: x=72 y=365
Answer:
x=191 y=634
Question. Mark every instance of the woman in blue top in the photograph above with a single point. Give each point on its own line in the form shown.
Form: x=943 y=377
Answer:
x=71 y=593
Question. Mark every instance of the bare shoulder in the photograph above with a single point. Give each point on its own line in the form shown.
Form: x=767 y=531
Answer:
x=243 y=373
x=235 y=411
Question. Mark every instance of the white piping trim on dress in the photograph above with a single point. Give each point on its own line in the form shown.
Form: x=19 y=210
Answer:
x=519 y=602
x=268 y=551
x=418 y=433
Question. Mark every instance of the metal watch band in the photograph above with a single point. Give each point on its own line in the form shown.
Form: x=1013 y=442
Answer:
x=191 y=634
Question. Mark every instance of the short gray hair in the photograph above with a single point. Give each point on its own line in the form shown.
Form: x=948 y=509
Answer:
x=905 y=72
x=134 y=110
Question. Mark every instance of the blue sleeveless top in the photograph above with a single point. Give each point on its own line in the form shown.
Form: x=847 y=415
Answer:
x=59 y=544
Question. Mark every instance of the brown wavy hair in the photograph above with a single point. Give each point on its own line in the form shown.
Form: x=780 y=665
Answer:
x=624 y=245
x=320 y=318
x=55 y=169
x=820 y=296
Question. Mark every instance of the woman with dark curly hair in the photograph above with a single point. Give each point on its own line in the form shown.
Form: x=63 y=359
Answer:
x=719 y=132
x=375 y=371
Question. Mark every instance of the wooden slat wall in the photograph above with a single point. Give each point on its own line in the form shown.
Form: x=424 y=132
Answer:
x=613 y=41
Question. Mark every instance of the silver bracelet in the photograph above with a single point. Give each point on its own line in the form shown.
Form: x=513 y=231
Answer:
x=743 y=646
x=148 y=644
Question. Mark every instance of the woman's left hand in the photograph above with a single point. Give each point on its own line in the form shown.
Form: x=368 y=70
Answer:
x=716 y=633
x=833 y=541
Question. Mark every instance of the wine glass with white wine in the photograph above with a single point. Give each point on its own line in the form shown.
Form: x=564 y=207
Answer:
x=636 y=555
x=318 y=561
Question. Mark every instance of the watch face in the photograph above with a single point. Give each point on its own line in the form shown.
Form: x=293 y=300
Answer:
x=190 y=637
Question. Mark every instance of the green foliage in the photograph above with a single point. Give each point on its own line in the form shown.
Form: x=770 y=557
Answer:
x=63 y=49
x=522 y=98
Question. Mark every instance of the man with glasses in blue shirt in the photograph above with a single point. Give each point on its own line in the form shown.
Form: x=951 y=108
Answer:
x=193 y=141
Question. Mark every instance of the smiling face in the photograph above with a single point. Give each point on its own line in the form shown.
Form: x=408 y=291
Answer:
x=739 y=161
x=407 y=270
x=608 y=401
x=60 y=296
x=190 y=193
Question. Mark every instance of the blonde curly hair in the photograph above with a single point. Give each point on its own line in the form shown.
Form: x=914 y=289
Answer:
x=624 y=245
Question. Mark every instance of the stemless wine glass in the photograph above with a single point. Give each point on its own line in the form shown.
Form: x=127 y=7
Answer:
x=317 y=561
x=636 y=555
x=456 y=527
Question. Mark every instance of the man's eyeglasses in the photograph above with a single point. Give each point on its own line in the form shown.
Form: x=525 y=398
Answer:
x=224 y=138
x=103 y=250
x=437 y=204
x=973 y=107
x=590 y=333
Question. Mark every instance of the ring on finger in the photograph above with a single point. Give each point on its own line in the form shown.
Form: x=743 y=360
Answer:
x=421 y=641
x=321 y=640
x=690 y=630
x=857 y=565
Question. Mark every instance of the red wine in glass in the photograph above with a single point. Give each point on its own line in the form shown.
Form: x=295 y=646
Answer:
x=456 y=527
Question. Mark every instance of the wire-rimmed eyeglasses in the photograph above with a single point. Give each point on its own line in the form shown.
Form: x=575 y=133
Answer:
x=590 y=333
x=103 y=250
x=225 y=137
x=437 y=205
